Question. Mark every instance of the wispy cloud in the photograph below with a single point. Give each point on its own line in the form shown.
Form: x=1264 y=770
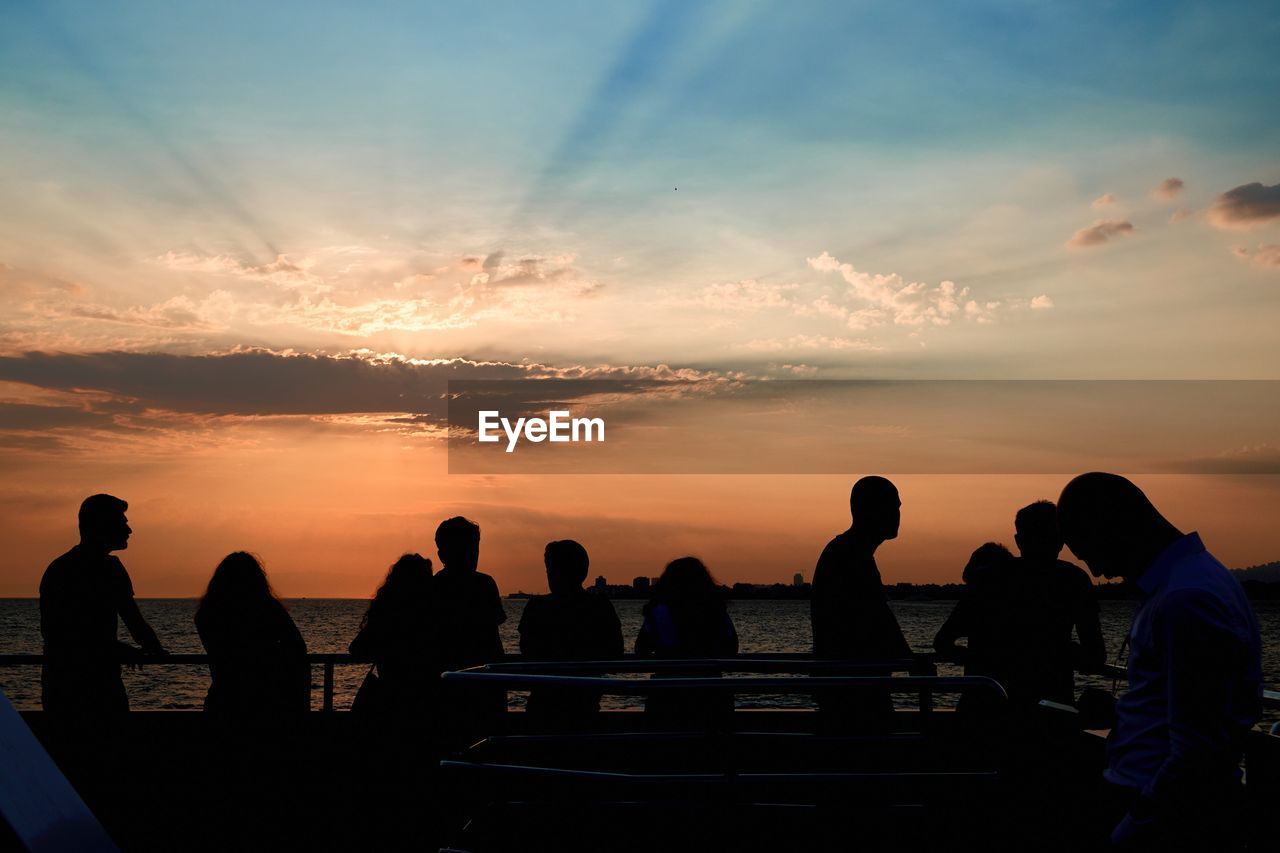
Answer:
x=1266 y=256
x=1105 y=200
x=745 y=295
x=1100 y=232
x=797 y=343
x=1168 y=189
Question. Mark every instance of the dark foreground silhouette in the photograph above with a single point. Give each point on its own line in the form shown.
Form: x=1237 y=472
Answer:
x=565 y=625
x=83 y=594
x=257 y=657
x=1172 y=780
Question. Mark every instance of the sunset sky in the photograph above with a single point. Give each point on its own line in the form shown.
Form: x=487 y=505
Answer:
x=244 y=247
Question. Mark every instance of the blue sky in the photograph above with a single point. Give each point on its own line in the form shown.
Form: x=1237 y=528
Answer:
x=934 y=142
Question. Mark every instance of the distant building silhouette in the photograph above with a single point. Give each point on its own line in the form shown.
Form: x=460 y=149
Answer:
x=601 y=582
x=797 y=579
x=640 y=585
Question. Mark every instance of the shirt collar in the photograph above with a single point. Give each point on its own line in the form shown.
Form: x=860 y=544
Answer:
x=1158 y=572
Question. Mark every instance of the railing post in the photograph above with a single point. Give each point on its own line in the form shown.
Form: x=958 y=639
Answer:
x=328 y=684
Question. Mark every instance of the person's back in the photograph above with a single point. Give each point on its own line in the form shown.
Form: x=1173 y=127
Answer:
x=83 y=595
x=568 y=624
x=849 y=609
x=397 y=635
x=1053 y=598
x=848 y=606
x=466 y=612
x=686 y=618
x=257 y=657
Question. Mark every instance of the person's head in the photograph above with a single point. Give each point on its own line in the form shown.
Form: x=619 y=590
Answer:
x=567 y=564
x=988 y=564
x=405 y=585
x=686 y=579
x=458 y=543
x=103 y=524
x=875 y=508
x=238 y=581
x=1037 y=536
x=1110 y=524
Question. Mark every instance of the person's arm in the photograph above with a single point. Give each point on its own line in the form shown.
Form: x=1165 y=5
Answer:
x=955 y=627
x=730 y=636
x=1205 y=665
x=365 y=645
x=138 y=626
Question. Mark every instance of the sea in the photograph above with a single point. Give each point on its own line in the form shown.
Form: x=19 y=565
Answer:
x=328 y=625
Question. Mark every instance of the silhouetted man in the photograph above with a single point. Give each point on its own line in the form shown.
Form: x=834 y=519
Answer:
x=467 y=608
x=850 y=613
x=1195 y=676
x=1052 y=597
x=82 y=595
x=568 y=624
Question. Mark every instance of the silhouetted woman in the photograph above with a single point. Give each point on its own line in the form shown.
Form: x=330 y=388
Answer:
x=396 y=636
x=686 y=618
x=986 y=615
x=257 y=657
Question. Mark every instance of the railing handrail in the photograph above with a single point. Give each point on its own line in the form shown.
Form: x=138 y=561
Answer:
x=886 y=684
x=330 y=660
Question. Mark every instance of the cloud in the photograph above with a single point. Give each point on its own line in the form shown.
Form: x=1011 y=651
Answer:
x=892 y=297
x=745 y=295
x=810 y=342
x=1105 y=200
x=1042 y=302
x=179 y=313
x=1246 y=206
x=1266 y=256
x=1179 y=215
x=1100 y=232
x=266 y=383
x=1168 y=189
x=282 y=271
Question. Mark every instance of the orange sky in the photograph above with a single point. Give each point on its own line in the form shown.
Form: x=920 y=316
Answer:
x=328 y=511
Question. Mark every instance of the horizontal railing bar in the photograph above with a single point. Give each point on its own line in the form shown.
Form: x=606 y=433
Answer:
x=745 y=663
x=888 y=684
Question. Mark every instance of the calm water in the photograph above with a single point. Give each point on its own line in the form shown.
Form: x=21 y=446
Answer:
x=329 y=624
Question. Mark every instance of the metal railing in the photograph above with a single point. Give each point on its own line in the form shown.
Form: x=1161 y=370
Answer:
x=515 y=664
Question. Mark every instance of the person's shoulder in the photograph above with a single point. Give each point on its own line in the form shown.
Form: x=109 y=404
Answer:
x=60 y=564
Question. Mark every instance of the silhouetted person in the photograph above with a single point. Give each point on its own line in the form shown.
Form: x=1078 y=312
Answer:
x=850 y=612
x=82 y=594
x=982 y=617
x=397 y=636
x=568 y=624
x=1195 y=676
x=467 y=612
x=1054 y=597
x=686 y=618
x=257 y=657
